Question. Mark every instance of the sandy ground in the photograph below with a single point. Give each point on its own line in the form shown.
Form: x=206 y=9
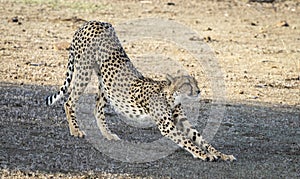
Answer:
x=257 y=49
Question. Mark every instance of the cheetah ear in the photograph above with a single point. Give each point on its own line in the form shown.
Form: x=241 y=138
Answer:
x=169 y=79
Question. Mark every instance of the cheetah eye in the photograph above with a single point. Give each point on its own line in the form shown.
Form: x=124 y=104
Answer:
x=185 y=89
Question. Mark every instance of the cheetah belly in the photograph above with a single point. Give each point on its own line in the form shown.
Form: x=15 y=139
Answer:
x=133 y=115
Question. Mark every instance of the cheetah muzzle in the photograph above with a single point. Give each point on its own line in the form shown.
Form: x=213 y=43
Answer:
x=96 y=47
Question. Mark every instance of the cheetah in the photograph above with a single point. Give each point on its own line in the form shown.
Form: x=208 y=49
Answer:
x=96 y=47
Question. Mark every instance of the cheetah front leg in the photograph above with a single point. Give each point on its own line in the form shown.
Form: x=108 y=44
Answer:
x=161 y=112
x=168 y=129
x=184 y=125
x=99 y=113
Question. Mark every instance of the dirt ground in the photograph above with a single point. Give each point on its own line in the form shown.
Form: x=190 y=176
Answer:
x=256 y=46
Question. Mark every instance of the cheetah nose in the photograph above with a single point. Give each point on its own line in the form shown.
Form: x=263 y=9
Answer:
x=198 y=92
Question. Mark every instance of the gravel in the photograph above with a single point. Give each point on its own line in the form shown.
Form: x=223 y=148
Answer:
x=35 y=141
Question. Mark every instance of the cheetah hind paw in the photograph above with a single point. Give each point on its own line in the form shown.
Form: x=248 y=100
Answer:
x=77 y=133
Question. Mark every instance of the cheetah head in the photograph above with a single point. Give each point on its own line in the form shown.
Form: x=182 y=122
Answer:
x=183 y=87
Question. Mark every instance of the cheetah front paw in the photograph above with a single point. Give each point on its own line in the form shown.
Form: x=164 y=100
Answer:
x=229 y=158
x=208 y=157
x=212 y=158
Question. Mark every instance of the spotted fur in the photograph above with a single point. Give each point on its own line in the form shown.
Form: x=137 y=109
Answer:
x=95 y=47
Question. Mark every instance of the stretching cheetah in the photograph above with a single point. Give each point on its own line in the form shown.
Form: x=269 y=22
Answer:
x=95 y=46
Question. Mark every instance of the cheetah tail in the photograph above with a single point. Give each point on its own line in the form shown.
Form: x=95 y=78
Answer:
x=50 y=100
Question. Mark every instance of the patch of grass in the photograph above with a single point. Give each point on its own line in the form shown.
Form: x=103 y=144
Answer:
x=76 y=5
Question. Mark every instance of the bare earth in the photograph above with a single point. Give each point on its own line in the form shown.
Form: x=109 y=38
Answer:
x=255 y=44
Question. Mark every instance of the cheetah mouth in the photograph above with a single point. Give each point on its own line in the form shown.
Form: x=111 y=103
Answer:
x=190 y=96
x=185 y=98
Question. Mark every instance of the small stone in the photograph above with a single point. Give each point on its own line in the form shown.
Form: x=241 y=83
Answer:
x=171 y=4
x=146 y=2
x=254 y=97
x=260 y=85
x=253 y=24
x=282 y=24
x=15 y=19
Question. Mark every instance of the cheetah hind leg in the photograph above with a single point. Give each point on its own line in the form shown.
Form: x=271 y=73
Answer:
x=73 y=125
x=99 y=113
x=78 y=88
